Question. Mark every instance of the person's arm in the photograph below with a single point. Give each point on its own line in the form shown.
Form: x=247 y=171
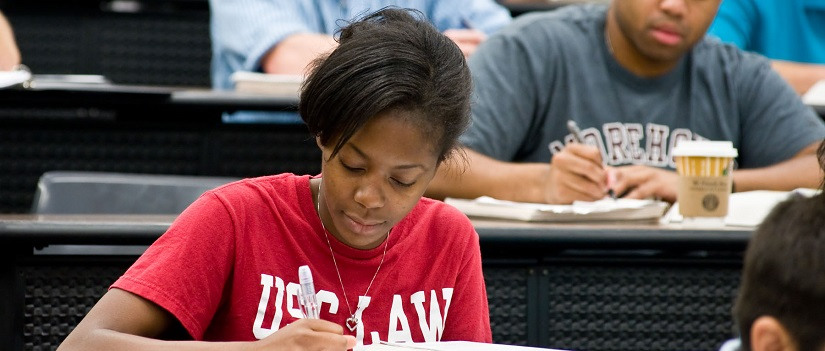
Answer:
x=124 y=321
x=801 y=76
x=470 y=321
x=576 y=174
x=9 y=53
x=801 y=171
x=467 y=40
x=295 y=52
x=243 y=34
x=469 y=22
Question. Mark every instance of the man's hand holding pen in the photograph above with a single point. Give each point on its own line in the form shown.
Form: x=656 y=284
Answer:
x=577 y=173
x=644 y=182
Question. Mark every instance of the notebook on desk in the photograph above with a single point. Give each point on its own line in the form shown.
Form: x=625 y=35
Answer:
x=603 y=210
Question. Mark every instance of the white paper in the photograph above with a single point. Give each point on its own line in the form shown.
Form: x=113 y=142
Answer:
x=11 y=78
x=746 y=209
x=270 y=84
x=815 y=95
x=605 y=209
x=445 y=346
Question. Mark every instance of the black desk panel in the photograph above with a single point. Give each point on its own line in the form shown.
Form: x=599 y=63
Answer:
x=140 y=129
x=638 y=286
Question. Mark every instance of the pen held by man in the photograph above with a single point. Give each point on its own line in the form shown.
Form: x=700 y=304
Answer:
x=593 y=155
x=577 y=174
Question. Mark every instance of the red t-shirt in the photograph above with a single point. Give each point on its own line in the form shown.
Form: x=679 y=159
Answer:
x=227 y=269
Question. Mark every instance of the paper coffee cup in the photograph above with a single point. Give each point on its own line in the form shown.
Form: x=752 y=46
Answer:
x=705 y=179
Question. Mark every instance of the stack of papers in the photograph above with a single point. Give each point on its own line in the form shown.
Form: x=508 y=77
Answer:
x=269 y=84
x=603 y=210
x=444 y=346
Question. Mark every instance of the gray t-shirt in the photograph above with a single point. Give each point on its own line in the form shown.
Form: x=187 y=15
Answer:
x=546 y=68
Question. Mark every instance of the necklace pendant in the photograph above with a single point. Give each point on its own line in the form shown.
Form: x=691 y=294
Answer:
x=352 y=322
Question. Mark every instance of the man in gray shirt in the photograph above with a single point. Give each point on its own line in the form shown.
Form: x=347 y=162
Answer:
x=637 y=77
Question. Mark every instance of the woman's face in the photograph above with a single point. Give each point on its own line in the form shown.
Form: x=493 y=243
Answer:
x=376 y=178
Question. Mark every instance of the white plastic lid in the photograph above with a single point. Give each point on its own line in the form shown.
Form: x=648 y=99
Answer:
x=705 y=148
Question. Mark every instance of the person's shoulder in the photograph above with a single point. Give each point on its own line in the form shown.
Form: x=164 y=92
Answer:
x=248 y=189
x=561 y=21
x=431 y=207
x=439 y=215
x=712 y=54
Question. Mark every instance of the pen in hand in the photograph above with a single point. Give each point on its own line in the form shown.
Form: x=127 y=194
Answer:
x=307 y=299
x=577 y=135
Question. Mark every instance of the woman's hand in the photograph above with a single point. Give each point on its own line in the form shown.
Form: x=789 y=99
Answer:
x=308 y=335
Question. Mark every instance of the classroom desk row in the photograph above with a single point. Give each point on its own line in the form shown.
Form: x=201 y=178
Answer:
x=142 y=129
x=609 y=286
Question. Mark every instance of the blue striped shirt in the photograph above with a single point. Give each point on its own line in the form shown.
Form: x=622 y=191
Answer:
x=243 y=31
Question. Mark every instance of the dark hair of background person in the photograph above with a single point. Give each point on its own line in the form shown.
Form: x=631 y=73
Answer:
x=820 y=154
x=389 y=61
x=784 y=273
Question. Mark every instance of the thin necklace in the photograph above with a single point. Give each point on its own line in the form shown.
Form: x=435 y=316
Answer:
x=352 y=321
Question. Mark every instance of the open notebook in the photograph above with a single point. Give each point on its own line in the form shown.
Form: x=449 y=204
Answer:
x=603 y=210
x=444 y=346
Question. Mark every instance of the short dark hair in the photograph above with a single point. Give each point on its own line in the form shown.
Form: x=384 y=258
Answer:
x=392 y=60
x=784 y=273
x=820 y=154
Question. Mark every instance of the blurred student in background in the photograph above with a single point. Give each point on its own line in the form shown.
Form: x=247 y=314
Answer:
x=225 y=274
x=9 y=53
x=638 y=77
x=282 y=37
x=790 y=32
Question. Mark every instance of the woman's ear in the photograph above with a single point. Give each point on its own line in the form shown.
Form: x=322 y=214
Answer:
x=768 y=334
x=318 y=142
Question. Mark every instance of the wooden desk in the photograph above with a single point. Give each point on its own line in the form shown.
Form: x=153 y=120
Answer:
x=604 y=286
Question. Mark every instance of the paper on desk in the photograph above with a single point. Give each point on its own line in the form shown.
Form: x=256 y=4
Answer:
x=605 y=209
x=270 y=84
x=11 y=78
x=445 y=346
x=747 y=208
x=815 y=95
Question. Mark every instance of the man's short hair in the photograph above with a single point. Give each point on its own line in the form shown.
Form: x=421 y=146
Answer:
x=784 y=273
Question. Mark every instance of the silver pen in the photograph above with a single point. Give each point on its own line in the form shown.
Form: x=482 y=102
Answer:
x=307 y=298
x=577 y=134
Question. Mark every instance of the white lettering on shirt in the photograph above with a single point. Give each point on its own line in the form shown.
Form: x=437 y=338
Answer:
x=431 y=321
x=266 y=283
x=623 y=143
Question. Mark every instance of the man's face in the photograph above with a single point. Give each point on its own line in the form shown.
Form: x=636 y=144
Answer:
x=664 y=30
